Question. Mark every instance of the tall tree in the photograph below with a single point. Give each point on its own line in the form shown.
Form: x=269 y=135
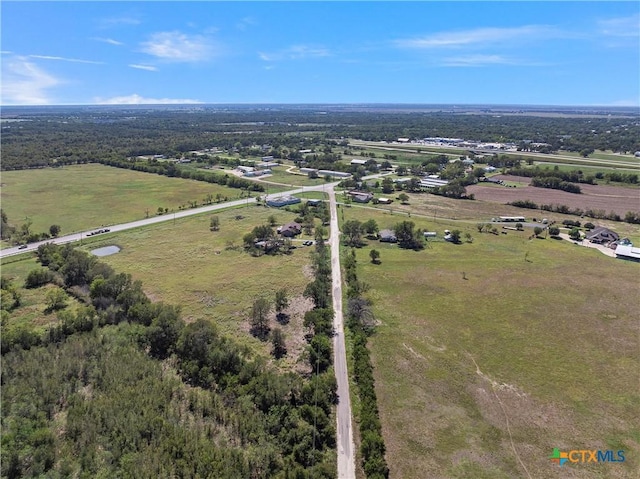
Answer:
x=260 y=317
x=281 y=303
x=278 y=342
x=352 y=230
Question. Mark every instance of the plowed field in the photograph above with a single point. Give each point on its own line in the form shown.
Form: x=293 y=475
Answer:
x=595 y=197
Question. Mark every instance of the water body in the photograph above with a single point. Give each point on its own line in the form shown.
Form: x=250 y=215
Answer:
x=106 y=251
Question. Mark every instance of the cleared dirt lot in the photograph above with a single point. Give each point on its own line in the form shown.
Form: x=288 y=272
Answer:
x=595 y=197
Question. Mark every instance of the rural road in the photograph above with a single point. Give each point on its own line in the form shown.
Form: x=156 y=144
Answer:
x=344 y=433
x=155 y=219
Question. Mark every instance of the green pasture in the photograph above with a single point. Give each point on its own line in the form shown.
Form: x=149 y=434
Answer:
x=279 y=175
x=207 y=273
x=540 y=333
x=88 y=196
x=588 y=169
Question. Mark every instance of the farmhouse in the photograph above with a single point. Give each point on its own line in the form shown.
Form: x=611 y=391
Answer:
x=601 y=235
x=387 y=236
x=511 y=219
x=291 y=229
x=283 y=201
x=360 y=196
x=356 y=161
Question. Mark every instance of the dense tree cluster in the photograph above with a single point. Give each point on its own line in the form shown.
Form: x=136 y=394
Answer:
x=226 y=413
x=555 y=184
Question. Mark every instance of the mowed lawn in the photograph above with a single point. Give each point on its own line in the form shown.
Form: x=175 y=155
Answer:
x=490 y=354
x=88 y=196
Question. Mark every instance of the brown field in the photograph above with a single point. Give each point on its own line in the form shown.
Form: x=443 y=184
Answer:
x=595 y=197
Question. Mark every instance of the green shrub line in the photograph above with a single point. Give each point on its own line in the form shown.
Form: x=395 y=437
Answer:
x=360 y=321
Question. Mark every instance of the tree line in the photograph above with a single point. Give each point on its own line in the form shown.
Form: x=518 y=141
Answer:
x=361 y=322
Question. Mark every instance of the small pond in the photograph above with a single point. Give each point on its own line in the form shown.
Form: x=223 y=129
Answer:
x=106 y=251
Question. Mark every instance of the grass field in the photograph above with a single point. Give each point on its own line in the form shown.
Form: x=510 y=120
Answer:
x=490 y=354
x=87 y=196
x=188 y=265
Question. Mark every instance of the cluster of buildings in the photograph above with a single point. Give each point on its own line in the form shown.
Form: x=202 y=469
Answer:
x=462 y=143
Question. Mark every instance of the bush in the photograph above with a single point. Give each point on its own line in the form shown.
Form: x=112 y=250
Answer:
x=38 y=277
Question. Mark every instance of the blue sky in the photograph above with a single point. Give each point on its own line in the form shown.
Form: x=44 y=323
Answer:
x=538 y=53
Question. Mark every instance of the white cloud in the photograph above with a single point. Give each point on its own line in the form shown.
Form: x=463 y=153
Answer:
x=110 y=41
x=136 y=99
x=295 y=52
x=245 y=23
x=24 y=83
x=621 y=26
x=64 y=59
x=477 y=37
x=179 y=47
x=481 y=61
x=117 y=21
x=150 y=68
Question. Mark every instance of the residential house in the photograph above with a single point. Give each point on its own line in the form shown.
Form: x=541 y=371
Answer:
x=291 y=229
x=602 y=235
x=360 y=196
x=387 y=236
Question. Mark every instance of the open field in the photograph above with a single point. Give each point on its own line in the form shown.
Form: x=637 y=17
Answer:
x=490 y=354
x=211 y=277
x=87 y=196
x=280 y=175
x=595 y=197
x=204 y=273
